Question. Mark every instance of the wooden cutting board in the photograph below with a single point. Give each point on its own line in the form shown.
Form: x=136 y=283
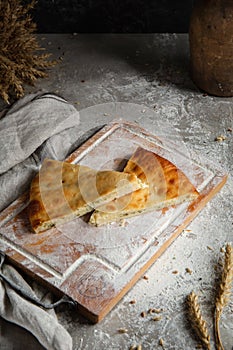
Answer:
x=96 y=266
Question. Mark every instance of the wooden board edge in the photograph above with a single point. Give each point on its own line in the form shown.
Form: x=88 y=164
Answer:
x=192 y=214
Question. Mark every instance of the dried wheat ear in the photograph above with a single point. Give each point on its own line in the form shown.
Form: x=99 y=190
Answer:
x=222 y=299
x=224 y=292
x=21 y=60
x=197 y=320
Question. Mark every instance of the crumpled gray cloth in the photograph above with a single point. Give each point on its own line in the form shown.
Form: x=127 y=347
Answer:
x=42 y=324
x=37 y=126
x=29 y=123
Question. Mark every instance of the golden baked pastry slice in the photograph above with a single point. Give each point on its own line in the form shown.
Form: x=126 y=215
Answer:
x=167 y=185
x=62 y=191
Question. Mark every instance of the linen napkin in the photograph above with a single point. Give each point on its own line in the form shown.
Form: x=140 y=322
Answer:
x=43 y=324
x=37 y=126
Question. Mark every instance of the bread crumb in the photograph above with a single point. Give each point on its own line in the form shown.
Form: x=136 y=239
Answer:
x=123 y=223
x=143 y=314
x=145 y=277
x=210 y=248
x=175 y=272
x=188 y=270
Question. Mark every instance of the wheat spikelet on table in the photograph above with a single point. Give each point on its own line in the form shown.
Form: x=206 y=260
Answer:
x=199 y=324
x=224 y=292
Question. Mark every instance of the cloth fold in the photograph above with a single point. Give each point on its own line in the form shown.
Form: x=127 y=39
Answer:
x=42 y=324
x=50 y=129
x=37 y=126
x=29 y=123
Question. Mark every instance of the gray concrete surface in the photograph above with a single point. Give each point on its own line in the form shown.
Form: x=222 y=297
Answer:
x=152 y=71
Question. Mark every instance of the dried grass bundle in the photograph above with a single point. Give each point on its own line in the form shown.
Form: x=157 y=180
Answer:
x=224 y=292
x=197 y=320
x=20 y=60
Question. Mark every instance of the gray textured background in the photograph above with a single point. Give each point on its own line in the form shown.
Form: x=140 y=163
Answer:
x=112 y=16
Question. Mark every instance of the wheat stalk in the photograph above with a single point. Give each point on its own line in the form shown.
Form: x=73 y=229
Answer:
x=197 y=320
x=20 y=59
x=224 y=292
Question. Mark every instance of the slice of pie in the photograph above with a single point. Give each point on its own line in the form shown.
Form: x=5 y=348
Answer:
x=167 y=185
x=62 y=191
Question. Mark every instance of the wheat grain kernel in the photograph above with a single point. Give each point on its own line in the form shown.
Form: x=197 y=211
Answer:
x=161 y=342
x=122 y=330
x=188 y=270
x=156 y=311
x=157 y=318
x=133 y=347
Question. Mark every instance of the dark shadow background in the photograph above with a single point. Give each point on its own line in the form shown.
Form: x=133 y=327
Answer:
x=112 y=16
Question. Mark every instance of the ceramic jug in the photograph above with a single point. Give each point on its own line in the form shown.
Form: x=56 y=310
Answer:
x=211 y=46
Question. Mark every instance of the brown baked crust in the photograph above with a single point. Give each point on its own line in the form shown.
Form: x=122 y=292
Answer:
x=167 y=185
x=62 y=191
